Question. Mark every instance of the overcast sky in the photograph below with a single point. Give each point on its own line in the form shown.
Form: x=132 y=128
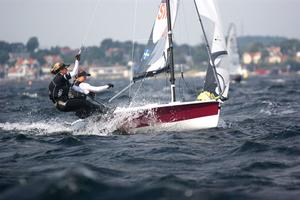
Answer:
x=75 y=22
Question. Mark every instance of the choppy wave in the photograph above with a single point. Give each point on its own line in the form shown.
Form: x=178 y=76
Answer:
x=252 y=154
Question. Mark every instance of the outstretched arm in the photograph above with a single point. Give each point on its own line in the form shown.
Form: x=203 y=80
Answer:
x=79 y=89
x=74 y=72
x=90 y=88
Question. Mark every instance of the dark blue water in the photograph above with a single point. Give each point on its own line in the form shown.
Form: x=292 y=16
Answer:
x=253 y=154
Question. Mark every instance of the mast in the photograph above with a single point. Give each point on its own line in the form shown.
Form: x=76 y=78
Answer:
x=209 y=51
x=170 y=53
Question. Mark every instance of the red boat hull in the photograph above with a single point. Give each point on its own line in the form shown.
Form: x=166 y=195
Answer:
x=173 y=116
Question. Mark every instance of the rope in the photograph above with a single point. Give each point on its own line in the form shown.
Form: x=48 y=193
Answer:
x=181 y=90
x=187 y=85
x=90 y=24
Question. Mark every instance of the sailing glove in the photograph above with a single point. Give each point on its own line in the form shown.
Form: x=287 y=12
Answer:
x=77 y=57
x=110 y=85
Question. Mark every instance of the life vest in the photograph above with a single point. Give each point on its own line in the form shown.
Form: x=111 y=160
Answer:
x=59 y=88
x=73 y=94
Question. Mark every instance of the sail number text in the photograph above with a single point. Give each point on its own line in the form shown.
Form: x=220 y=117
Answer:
x=162 y=14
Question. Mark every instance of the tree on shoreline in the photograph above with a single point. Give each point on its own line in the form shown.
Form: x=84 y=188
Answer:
x=110 y=52
x=32 y=44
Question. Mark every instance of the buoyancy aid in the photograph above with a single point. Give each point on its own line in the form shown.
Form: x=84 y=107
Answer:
x=59 y=88
x=75 y=94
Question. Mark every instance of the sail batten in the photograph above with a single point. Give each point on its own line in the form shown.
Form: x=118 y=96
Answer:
x=154 y=58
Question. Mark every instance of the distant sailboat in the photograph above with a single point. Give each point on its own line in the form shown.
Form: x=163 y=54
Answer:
x=158 y=58
x=237 y=73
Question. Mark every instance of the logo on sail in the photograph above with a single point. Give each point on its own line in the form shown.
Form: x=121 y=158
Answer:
x=162 y=14
x=146 y=54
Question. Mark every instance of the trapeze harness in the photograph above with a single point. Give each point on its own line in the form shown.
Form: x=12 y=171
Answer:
x=73 y=94
x=87 y=108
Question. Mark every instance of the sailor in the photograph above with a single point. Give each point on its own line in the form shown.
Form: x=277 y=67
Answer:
x=59 y=86
x=206 y=96
x=81 y=86
x=81 y=89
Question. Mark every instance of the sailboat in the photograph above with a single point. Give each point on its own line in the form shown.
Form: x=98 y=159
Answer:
x=237 y=73
x=158 y=58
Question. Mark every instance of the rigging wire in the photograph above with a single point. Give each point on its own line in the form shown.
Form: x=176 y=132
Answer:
x=133 y=96
x=183 y=23
x=181 y=90
x=181 y=35
x=132 y=57
x=133 y=42
x=187 y=32
x=136 y=92
x=191 y=86
x=88 y=29
x=208 y=48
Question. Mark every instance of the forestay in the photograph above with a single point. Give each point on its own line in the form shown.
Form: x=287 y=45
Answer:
x=154 y=59
x=207 y=9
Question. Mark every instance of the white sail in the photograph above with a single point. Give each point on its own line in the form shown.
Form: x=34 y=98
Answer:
x=235 y=67
x=208 y=9
x=154 y=58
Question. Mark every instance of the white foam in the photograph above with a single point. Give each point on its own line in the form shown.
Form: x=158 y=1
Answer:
x=267 y=112
x=30 y=95
x=279 y=80
x=222 y=123
x=104 y=125
x=101 y=126
x=36 y=128
x=287 y=112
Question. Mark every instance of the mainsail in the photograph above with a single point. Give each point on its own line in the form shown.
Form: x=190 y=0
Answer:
x=154 y=58
x=235 y=66
x=207 y=9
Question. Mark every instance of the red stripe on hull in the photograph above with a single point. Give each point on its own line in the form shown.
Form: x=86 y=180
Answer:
x=171 y=113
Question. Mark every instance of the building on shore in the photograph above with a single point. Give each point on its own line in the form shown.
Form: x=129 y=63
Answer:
x=24 y=69
x=252 y=57
x=110 y=72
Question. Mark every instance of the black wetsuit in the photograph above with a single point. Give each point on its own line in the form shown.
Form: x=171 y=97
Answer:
x=68 y=100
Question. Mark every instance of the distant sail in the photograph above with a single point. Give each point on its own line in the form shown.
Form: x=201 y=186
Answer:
x=207 y=8
x=235 y=67
x=154 y=59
